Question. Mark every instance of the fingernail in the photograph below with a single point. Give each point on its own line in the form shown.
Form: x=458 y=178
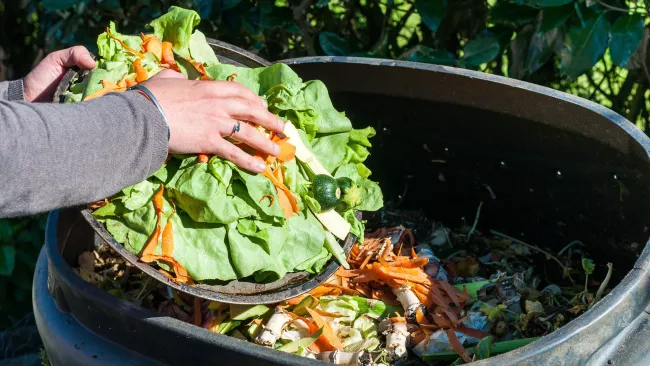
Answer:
x=281 y=124
x=276 y=149
x=265 y=104
x=260 y=166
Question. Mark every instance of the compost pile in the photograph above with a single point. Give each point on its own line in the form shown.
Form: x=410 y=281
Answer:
x=441 y=297
x=202 y=218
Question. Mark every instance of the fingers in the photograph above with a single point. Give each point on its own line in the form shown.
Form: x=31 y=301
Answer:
x=231 y=152
x=168 y=74
x=74 y=56
x=248 y=110
x=245 y=104
x=251 y=137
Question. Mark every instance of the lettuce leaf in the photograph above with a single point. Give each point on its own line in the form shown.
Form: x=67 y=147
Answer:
x=176 y=27
x=371 y=195
x=200 y=50
x=108 y=48
x=229 y=223
x=331 y=149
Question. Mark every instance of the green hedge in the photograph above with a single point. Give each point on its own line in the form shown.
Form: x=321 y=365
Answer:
x=591 y=48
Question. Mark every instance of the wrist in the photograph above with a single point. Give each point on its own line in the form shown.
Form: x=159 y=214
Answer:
x=147 y=94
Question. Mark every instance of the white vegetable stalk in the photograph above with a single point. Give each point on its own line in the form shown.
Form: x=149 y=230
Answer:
x=397 y=337
x=337 y=357
x=272 y=331
x=409 y=302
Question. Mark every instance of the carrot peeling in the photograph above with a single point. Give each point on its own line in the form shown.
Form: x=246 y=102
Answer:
x=328 y=332
x=135 y=52
x=152 y=44
x=168 y=54
x=270 y=199
x=141 y=73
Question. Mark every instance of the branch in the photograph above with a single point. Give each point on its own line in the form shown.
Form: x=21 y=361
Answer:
x=383 y=37
x=644 y=53
x=614 y=8
x=300 y=17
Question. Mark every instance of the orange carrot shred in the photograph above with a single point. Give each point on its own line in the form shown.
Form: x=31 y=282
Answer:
x=203 y=158
x=328 y=332
x=168 y=54
x=152 y=44
x=270 y=199
x=137 y=53
x=141 y=73
x=168 y=237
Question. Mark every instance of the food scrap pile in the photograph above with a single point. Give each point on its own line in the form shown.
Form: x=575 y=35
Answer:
x=402 y=299
x=202 y=218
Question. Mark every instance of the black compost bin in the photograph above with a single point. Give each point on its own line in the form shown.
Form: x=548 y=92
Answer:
x=558 y=168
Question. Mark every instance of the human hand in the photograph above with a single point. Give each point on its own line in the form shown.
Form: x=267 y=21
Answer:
x=202 y=113
x=40 y=84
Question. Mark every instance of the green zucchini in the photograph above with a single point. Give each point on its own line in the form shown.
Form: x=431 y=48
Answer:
x=326 y=191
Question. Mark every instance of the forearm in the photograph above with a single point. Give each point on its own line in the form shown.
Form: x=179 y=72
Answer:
x=11 y=90
x=63 y=155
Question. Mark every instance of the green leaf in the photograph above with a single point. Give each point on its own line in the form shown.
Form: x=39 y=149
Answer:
x=493 y=312
x=472 y=287
x=176 y=26
x=545 y=3
x=430 y=56
x=584 y=46
x=431 y=12
x=334 y=247
x=59 y=4
x=555 y=17
x=229 y=4
x=186 y=67
x=481 y=50
x=304 y=342
x=540 y=48
x=5 y=230
x=205 y=198
x=200 y=50
x=322 y=3
x=627 y=32
x=497 y=348
x=7 y=260
x=512 y=14
x=227 y=326
x=588 y=266
x=204 y=7
x=333 y=44
x=483 y=349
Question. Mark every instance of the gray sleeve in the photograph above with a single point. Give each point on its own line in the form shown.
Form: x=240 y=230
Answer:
x=12 y=90
x=61 y=155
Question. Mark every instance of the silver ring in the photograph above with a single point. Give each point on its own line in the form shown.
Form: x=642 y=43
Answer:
x=235 y=128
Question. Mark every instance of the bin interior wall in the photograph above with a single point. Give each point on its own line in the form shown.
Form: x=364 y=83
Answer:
x=559 y=172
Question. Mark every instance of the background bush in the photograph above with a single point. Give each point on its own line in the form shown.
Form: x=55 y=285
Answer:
x=595 y=49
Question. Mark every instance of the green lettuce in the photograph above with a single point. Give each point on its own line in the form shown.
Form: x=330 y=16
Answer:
x=228 y=223
x=176 y=27
x=200 y=50
x=108 y=48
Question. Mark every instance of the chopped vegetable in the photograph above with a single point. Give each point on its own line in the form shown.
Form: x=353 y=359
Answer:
x=231 y=224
